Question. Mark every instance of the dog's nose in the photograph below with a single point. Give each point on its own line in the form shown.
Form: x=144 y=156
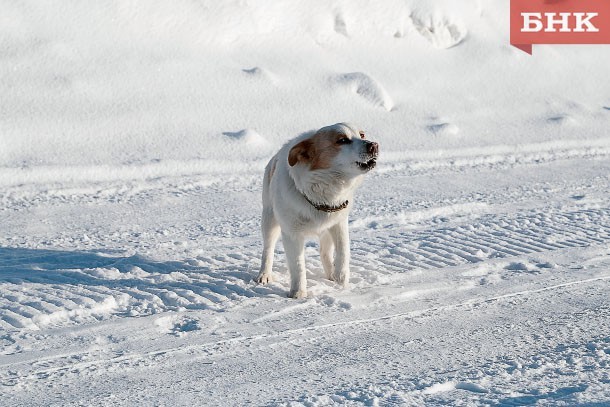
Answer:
x=372 y=148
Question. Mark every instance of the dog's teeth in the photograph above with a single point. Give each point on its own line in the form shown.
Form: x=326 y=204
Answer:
x=367 y=165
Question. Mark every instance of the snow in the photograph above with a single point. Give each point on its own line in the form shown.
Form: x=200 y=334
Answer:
x=133 y=137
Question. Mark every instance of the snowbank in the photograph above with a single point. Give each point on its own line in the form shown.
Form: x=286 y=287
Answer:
x=127 y=82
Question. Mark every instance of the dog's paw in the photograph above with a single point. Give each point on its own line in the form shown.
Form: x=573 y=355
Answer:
x=264 y=278
x=297 y=294
x=341 y=279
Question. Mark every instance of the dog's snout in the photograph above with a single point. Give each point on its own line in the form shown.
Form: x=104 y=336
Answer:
x=372 y=148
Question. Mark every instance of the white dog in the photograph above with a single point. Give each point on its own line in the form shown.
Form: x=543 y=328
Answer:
x=307 y=191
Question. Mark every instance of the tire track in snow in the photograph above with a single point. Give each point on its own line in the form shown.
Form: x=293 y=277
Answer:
x=87 y=286
x=494 y=237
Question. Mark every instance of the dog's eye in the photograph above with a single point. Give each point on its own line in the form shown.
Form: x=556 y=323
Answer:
x=344 y=140
x=361 y=134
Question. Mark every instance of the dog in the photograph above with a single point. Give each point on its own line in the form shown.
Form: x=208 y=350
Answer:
x=308 y=190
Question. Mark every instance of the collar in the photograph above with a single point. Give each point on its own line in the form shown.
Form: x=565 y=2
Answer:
x=327 y=208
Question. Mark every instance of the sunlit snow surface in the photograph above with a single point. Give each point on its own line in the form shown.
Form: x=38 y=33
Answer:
x=133 y=137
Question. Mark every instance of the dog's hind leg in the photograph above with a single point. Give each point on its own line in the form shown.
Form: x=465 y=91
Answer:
x=327 y=253
x=271 y=232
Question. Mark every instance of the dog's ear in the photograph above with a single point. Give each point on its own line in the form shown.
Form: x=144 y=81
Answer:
x=302 y=152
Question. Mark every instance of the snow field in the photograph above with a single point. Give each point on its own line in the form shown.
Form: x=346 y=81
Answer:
x=133 y=87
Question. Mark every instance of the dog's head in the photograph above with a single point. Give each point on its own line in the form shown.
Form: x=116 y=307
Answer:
x=340 y=147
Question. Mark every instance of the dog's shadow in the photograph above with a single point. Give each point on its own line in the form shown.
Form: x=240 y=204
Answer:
x=35 y=276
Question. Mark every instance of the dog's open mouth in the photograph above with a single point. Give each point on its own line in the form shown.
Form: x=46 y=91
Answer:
x=367 y=165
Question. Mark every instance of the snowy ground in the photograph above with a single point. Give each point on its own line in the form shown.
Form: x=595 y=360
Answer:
x=133 y=139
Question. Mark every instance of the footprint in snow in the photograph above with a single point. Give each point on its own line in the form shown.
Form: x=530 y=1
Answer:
x=177 y=326
x=561 y=120
x=441 y=33
x=184 y=326
x=260 y=74
x=256 y=71
x=534 y=267
x=450 y=386
x=247 y=136
x=340 y=25
x=444 y=129
x=365 y=87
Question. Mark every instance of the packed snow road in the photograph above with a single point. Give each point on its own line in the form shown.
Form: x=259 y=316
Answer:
x=486 y=282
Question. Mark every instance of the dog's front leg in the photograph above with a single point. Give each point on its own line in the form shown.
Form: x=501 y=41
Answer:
x=294 y=245
x=340 y=236
x=327 y=253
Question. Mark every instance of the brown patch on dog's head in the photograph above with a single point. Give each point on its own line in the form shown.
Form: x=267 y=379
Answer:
x=320 y=149
x=326 y=148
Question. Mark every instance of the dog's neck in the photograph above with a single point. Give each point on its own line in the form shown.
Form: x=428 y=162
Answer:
x=326 y=192
x=327 y=208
